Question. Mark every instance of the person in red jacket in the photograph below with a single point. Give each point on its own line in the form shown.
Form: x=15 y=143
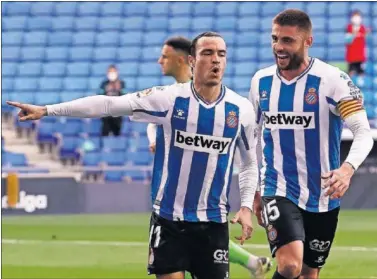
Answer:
x=356 y=44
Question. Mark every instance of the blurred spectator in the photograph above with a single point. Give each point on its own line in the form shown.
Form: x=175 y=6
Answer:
x=356 y=44
x=112 y=86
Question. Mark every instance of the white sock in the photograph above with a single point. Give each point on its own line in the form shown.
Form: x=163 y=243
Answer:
x=253 y=262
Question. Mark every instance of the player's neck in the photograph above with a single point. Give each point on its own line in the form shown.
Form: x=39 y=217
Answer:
x=208 y=93
x=292 y=74
x=183 y=76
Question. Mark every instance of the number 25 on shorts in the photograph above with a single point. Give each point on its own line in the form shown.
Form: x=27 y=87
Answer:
x=270 y=212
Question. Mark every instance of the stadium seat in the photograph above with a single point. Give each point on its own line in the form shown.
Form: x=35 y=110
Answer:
x=39 y=23
x=249 y=8
x=294 y=5
x=202 y=24
x=90 y=143
x=63 y=38
x=364 y=7
x=55 y=54
x=271 y=8
x=181 y=8
x=321 y=39
x=114 y=158
x=45 y=132
x=133 y=23
x=94 y=84
x=112 y=9
x=92 y=127
x=146 y=82
x=158 y=8
x=136 y=8
x=9 y=69
x=91 y=159
x=336 y=54
x=248 y=24
x=42 y=8
x=105 y=54
x=107 y=39
x=99 y=69
x=149 y=69
x=62 y=23
x=319 y=24
x=14 y=23
x=318 y=52
x=246 y=68
x=150 y=54
x=226 y=8
x=130 y=38
x=139 y=158
x=156 y=38
x=226 y=23
x=12 y=38
x=138 y=143
x=83 y=38
x=337 y=24
x=336 y=39
x=79 y=69
x=32 y=54
x=157 y=23
x=112 y=143
x=87 y=23
x=113 y=175
x=25 y=84
x=46 y=98
x=135 y=175
x=10 y=54
x=179 y=23
x=338 y=9
x=246 y=53
x=66 y=8
x=374 y=13
x=89 y=9
x=67 y=96
x=53 y=69
x=75 y=84
x=30 y=69
x=265 y=24
x=68 y=147
x=35 y=39
x=204 y=8
x=50 y=84
x=110 y=24
x=80 y=54
x=14 y=159
x=18 y=8
x=7 y=85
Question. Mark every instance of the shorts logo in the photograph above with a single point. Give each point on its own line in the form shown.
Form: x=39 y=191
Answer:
x=311 y=97
x=220 y=256
x=232 y=120
x=320 y=259
x=319 y=245
x=289 y=120
x=272 y=233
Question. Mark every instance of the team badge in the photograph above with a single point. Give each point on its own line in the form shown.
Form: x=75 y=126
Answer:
x=272 y=233
x=144 y=93
x=232 y=120
x=311 y=97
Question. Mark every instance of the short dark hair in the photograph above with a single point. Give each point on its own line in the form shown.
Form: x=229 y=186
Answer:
x=112 y=66
x=294 y=17
x=179 y=43
x=196 y=39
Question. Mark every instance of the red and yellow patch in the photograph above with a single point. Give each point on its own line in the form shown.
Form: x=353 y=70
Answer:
x=347 y=108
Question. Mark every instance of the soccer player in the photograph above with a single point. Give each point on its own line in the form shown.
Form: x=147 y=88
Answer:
x=174 y=62
x=301 y=102
x=203 y=122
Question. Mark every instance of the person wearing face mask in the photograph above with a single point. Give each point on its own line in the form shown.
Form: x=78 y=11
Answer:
x=356 y=44
x=112 y=86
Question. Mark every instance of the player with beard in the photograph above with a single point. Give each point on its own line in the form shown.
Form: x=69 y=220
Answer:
x=301 y=102
x=174 y=62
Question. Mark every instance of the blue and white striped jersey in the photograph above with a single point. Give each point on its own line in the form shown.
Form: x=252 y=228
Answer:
x=301 y=131
x=196 y=142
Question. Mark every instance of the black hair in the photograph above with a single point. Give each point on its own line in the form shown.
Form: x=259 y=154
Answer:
x=196 y=39
x=294 y=17
x=179 y=43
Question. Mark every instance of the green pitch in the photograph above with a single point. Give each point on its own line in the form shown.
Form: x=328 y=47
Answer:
x=115 y=246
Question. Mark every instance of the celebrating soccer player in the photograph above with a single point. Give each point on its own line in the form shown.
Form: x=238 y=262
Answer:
x=301 y=102
x=203 y=123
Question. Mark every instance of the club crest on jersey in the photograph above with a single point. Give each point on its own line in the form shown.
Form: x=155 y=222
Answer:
x=272 y=233
x=311 y=97
x=232 y=120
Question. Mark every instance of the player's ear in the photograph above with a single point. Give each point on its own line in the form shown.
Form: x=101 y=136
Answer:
x=191 y=60
x=309 y=41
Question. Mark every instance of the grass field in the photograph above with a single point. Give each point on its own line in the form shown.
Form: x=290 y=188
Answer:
x=115 y=246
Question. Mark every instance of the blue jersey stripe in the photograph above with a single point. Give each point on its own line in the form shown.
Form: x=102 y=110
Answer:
x=154 y=113
x=312 y=143
x=206 y=120
x=213 y=210
x=270 y=181
x=175 y=159
x=158 y=161
x=335 y=133
x=287 y=144
x=244 y=138
x=331 y=101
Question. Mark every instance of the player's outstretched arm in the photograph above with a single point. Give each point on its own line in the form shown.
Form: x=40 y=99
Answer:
x=88 y=107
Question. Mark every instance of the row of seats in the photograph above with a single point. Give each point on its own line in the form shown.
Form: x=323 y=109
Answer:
x=181 y=8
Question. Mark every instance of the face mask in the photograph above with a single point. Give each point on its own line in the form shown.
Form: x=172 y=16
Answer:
x=112 y=76
x=356 y=20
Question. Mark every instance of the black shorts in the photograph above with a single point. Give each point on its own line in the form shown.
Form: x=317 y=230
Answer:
x=287 y=222
x=198 y=247
x=356 y=67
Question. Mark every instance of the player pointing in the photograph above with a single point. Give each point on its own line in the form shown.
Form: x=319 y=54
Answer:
x=301 y=102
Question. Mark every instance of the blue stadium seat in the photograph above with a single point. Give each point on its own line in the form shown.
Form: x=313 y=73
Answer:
x=150 y=54
x=18 y=8
x=229 y=37
x=56 y=54
x=227 y=8
x=35 y=39
x=83 y=38
x=66 y=8
x=246 y=68
x=138 y=143
x=67 y=96
x=364 y=7
x=133 y=23
x=201 y=24
x=374 y=12
x=63 y=23
x=140 y=128
x=179 y=23
x=94 y=84
x=294 y=5
x=42 y=8
x=12 y=38
x=30 y=69
x=113 y=175
x=53 y=69
x=249 y=8
x=15 y=23
x=39 y=23
x=9 y=69
x=75 y=84
x=226 y=23
x=245 y=53
x=131 y=38
x=68 y=147
x=149 y=69
x=181 y=8
x=204 y=8
x=265 y=24
x=91 y=159
x=369 y=69
x=229 y=71
x=99 y=69
x=136 y=8
x=318 y=52
x=139 y=158
x=15 y=159
x=154 y=38
x=130 y=84
x=248 y=24
x=114 y=158
x=50 y=84
x=157 y=23
x=78 y=69
x=23 y=97
x=67 y=126
x=321 y=39
x=92 y=127
x=32 y=53
x=110 y=24
x=158 y=8
x=271 y=8
x=112 y=9
x=90 y=143
x=46 y=98
x=336 y=54
x=338 y=9
x=107 y=39
x=242 y=84
x=87 y=23
x=336 y=39
x=60 y=39
x=25 y=84
x=337 y=24
x=80 y=54
x=89 y=9
x=7 y=84
x=136 y=175
x=112 y=143
x=105 y=54
x=10 y=54
x=319 y=23
x=316 y=8
x=247 y=39
x=146 y=82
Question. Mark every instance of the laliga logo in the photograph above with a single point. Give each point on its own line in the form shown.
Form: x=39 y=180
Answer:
x=220 y=256
x=27 y=202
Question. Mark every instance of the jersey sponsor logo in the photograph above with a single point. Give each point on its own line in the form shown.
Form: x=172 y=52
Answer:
x=289 y=120
x=232 y=120
x=311 y=97
x=221 y=256
x=201 y=143
x=319 y=245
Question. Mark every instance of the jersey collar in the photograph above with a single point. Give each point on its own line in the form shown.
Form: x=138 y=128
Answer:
x=288 y=82
x=201 y=100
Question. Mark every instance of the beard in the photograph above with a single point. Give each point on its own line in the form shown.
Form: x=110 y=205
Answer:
x=295 y=60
